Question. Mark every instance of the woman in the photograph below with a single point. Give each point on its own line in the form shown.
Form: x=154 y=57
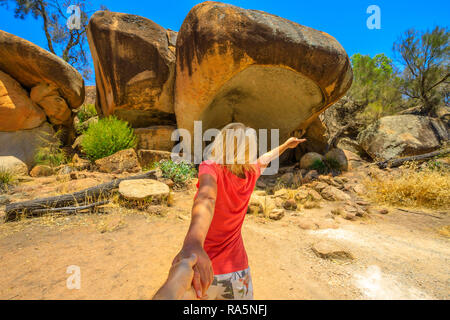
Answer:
x=225 y=183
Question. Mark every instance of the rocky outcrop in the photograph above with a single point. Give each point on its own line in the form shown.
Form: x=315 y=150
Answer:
x=55 y=107
x=403 y=135
x=31 y=66
x=134 y=68
x=17 y=111
x=24 y=144
x=155 y=138
x=237 y=65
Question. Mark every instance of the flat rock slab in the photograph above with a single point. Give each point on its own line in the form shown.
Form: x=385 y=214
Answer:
x=143 y=189
x=332 y=251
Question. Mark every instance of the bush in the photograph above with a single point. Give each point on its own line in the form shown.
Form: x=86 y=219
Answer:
x=412 y=187
x=6 y=178
x=106 y=137
x=178 y=172
x=86 y=112
x=51 y=154
x=325 y=166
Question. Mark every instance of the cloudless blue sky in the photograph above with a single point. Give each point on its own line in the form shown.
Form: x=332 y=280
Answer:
x=345 y=19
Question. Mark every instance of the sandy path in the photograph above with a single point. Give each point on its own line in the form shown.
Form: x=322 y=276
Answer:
x=397 y=257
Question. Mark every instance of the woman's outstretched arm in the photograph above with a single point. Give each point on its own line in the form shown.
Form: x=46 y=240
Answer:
x=202 y=214
x=268 y=157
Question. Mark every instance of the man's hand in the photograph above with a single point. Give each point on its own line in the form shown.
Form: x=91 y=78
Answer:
x=292 y=143
x=203 y=271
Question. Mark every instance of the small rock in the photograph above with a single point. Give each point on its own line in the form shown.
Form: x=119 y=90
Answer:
x=308 y=159
x=64 y=169
x=282 y=193
x=13 y=165
x=168 y=182
x=276 y=214
x=286 y=179
x=260 y=184
x=80 y=164
x=122 y=161
x=320 y=186
x=260 y=193
x=41 y=171
x=339 y=157
x=332 y=251
x=310 y=176
x=307 y=224
x=290 y=204
x=333 y=194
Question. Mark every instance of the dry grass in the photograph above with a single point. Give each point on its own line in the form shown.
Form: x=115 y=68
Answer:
x=444 y=231
x=412 y=187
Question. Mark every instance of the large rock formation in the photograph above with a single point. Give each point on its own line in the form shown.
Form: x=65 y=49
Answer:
x=237 y=65
x=31 y=66
x=403 y=135
x=134 y=67
x=25 y=143
x=17 y=111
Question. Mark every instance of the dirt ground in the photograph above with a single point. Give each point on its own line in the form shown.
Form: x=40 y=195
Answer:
x=126 y=254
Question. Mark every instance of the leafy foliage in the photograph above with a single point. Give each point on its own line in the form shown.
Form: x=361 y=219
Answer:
x=178 y=172
x=326 y=166
x=425 y=57
x=86 y=112
x=106 y=137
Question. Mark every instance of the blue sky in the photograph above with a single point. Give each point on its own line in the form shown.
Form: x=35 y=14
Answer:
x=345 y=20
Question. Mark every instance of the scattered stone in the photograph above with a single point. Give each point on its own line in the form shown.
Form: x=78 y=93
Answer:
x=77 y=176
x=332 y=251
x=41 y=171
x=276 y=214
x=260 y=184
x=80 y=164
x=289 y=204
x=122 y=161
x=260 y=193
x=319 y=186
x=331 y=193
x=308 y=160
x=282 y=193
x=297 y=179
x=310 y=176
x=338 y=155
x=168 y=182
x=144 y=189
x=307 y=224
x=64 y=169
x=287 y=178
x=13 y=165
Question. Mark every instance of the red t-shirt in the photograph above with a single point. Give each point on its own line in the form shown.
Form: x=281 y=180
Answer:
x=223 y=243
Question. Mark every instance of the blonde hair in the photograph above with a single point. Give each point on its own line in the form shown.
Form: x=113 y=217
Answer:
x=235 y=147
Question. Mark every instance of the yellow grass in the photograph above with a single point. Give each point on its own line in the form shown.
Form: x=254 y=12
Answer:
x=412 y=187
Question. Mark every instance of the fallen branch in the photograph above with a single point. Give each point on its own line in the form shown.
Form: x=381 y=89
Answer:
x=420 y=213
x=97 y=193
x=71 y=209
x=422 y=157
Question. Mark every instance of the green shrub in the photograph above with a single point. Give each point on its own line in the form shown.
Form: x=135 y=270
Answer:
x=6 y=178
x=178 y=172
x=106 y=137
x=326 y=166
x=86 y=112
